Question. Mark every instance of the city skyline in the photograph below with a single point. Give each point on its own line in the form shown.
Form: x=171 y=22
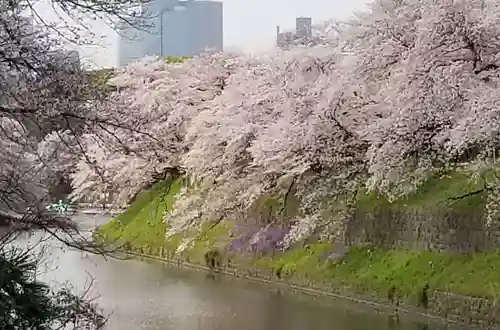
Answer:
x=248 y=26
x=303 y=32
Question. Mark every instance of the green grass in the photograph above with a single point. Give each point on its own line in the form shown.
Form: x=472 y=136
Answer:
x=142 y=228
x=207 y=238
x=378 y=270
x=142 y=225
x=438 y=193
x=176 y=59
x=372 y=269
x=410 y=271
x=303 y=262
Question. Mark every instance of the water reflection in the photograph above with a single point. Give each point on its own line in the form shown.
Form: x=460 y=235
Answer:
x=146 y=295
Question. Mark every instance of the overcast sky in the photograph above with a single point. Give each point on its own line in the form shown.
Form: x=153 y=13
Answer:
x=248 y=24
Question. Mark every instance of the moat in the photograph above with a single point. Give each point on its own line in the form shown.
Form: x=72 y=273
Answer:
x=154 y=296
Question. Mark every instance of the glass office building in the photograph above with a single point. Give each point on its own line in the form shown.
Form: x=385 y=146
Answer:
x=177 y=28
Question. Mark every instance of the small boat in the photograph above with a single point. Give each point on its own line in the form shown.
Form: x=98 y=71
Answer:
x=60 y=208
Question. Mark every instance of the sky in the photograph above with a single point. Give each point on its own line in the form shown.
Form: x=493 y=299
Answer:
x=249 y=25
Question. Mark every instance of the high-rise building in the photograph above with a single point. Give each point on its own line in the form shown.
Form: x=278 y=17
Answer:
x=303 y=27
x=302 y=35
x=176 y=28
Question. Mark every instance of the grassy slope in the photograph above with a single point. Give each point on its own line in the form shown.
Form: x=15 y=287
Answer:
x=362 y=268
x=141 y=226
x=142 y=229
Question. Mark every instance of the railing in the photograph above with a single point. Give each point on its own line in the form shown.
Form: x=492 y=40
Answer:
x=99 y=206
x=94 y=208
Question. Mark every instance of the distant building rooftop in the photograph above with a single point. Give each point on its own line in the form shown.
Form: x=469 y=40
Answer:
x=301 y=35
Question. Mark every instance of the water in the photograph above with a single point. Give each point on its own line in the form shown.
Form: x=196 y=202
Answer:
x=153 y=296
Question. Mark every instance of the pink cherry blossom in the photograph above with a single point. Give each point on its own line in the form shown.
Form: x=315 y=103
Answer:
x=397 y=93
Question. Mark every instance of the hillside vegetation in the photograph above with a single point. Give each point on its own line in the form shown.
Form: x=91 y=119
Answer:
x=368 y=134
x=362 y=268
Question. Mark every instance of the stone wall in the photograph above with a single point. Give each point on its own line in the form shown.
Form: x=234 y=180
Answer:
x=445 y=231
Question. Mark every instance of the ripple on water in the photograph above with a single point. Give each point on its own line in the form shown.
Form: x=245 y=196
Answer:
x=140 y=295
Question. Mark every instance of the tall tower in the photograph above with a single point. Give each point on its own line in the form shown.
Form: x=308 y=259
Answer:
x=303 y=27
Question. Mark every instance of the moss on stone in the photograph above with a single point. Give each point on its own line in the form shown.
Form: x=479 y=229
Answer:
x=275 y=207
x=444 y=190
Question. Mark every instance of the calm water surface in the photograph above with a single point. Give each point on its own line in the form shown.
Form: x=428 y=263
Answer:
x=153 y=296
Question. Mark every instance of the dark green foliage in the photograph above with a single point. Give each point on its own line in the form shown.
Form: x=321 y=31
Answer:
x=26 y=303
x=213 y=259
x=391 y=294
x=277 y=272
x=423 y=297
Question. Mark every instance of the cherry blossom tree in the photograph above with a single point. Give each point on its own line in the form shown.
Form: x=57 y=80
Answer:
x=238 y=128
x=430 y=72
x=45 y=108
x=400 y=92
x=151 y=109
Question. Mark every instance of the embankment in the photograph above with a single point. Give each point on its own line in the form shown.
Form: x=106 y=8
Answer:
x=431 y=253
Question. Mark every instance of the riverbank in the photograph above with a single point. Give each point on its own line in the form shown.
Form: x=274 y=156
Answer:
x=461 y=287
x=445 y=306
x=139 y=293
x=311 y=288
